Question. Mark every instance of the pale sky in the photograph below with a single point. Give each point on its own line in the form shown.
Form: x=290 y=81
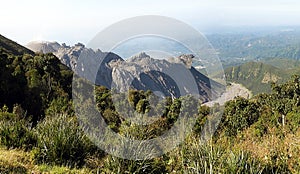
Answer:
x=73 y=21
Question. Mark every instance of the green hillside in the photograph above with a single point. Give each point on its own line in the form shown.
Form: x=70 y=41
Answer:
x=12 y=47
x=257 y=76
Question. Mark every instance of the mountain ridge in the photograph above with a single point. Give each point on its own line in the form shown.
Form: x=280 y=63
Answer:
x=143 y=72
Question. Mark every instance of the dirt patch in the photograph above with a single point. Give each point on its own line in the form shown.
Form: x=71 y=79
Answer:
x=233 y=90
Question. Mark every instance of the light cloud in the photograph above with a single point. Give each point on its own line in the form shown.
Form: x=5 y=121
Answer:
x=73 y=21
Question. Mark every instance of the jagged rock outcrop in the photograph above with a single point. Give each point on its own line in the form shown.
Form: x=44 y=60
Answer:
x=69 y=55
x=169 y=78
x=174 y=77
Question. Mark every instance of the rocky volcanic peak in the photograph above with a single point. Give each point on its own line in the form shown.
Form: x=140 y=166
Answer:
x=43 y=46
x=139 y=56
x=186 y=59
x=174 y=77
x=69 y=55
x=147 y=63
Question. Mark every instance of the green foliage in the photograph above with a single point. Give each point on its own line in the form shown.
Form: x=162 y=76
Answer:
x=256 y=76
x=288 y=65
x=239 y=114
x=118 y=165
x=61 y=142
x=281 y=103
x=194 y=156
x=33 y=81
x=293 y=120
x=203 y=114
x=103 y=98
x=112 y=118
x=15 y=131
x=242 y=162
x=60 y=105
x=138 y=100
x=174 y=111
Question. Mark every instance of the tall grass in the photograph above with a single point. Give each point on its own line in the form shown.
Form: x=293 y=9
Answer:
x=61 y=142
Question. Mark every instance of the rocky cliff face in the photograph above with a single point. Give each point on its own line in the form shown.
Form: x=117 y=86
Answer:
x=174 y=77
x=168 y=78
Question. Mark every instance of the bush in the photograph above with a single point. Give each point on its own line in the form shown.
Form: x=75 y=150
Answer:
x=293 y=121
x=60 y=105
x=15 y=131
x=239 y=114
x=61 y=142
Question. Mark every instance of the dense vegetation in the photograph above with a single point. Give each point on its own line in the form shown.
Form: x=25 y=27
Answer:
x=256 y=76
x=40 y=132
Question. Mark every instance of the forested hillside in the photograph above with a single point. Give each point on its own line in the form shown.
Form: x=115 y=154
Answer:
x=32 y=80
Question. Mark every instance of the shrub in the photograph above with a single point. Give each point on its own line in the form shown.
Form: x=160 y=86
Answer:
x=15 y=131
x=117 y=165
x=239 y=114
x=61 y=142
x=293 y=120
x=60 y=105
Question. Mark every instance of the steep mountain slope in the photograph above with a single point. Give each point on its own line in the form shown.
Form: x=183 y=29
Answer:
x=256 y=76
x=12 y=47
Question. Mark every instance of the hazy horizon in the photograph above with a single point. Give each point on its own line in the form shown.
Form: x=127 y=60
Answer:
x=79 y=21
